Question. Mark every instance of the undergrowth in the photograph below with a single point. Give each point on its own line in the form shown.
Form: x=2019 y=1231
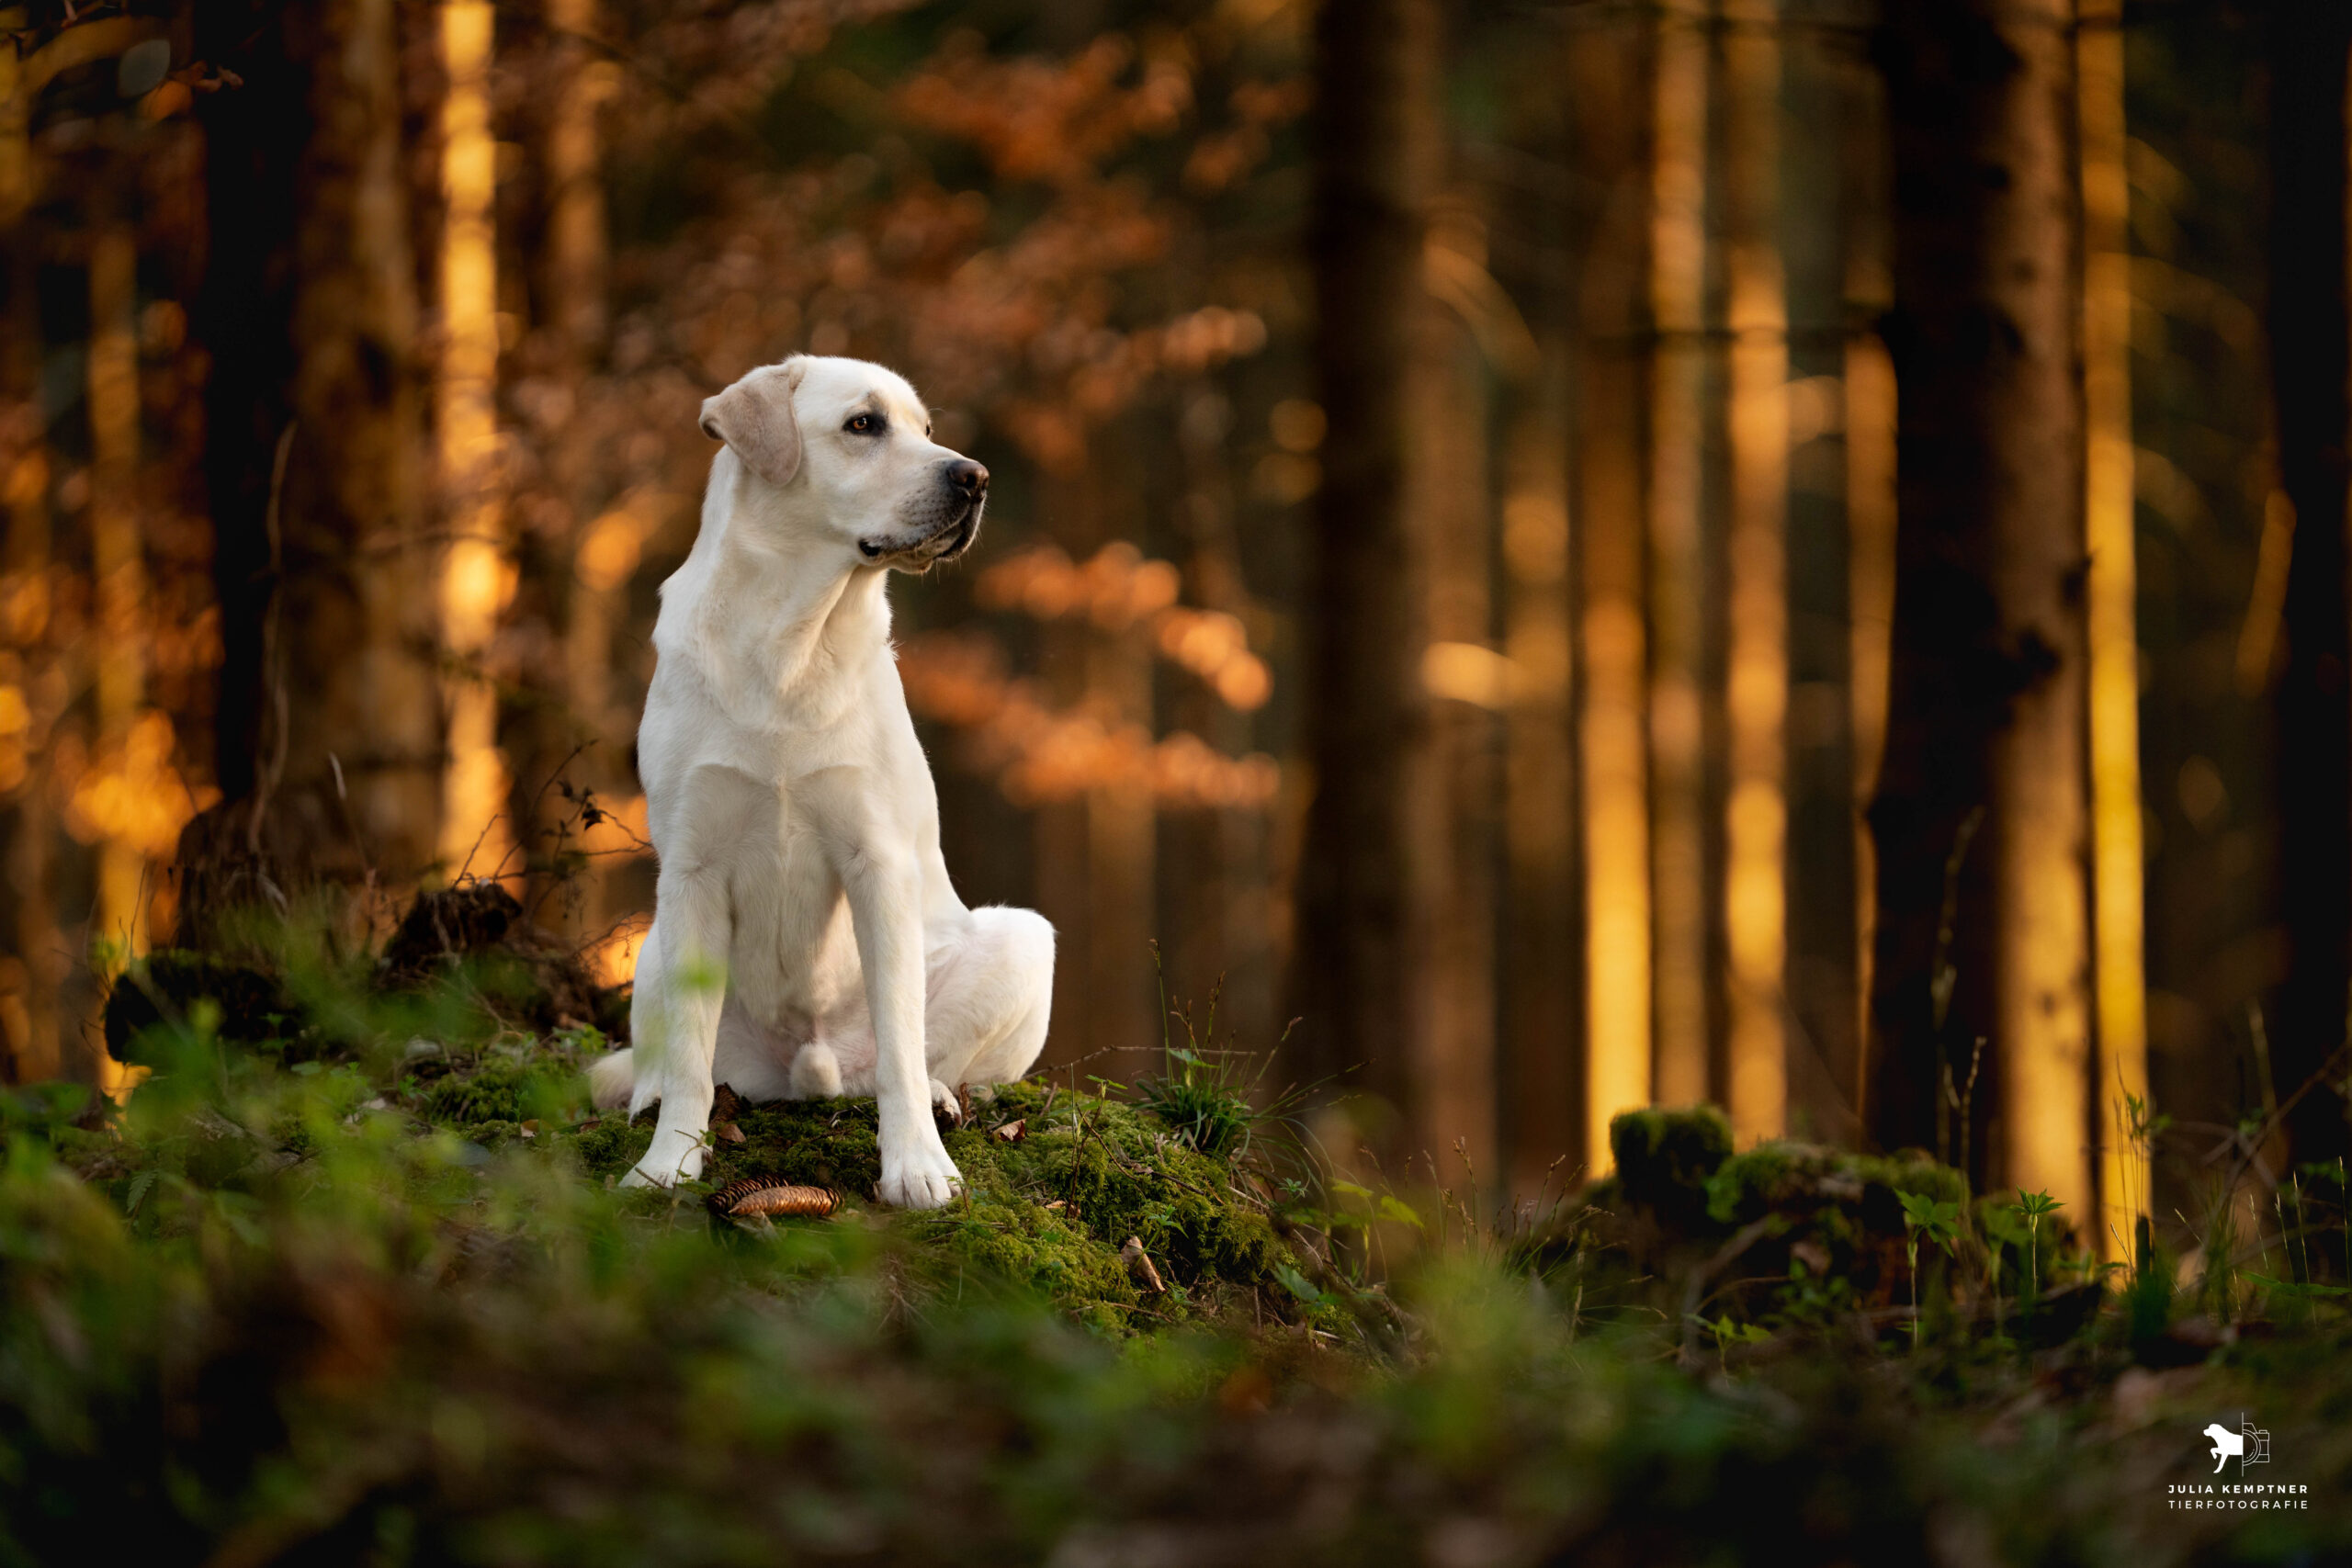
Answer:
x=347 y=1279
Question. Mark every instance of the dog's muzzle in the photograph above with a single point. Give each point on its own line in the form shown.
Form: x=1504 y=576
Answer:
x=955 y=522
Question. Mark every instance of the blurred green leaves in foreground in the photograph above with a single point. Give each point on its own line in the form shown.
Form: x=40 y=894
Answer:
x=344 y=1283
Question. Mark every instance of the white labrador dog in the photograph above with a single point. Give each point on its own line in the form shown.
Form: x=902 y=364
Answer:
x=806 y=939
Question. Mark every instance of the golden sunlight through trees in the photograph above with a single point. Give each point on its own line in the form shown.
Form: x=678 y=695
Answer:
x=1756 y=698
x=2042 y=968
x=476 y=577
x=2116 y=848
x=1869 y=572
x=1612 y=777
x=119 y=563
x=1677 y=596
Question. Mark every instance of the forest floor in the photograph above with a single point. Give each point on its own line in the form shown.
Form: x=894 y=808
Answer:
x=348 y=1278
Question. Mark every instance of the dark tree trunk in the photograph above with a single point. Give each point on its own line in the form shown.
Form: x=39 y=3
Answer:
x=1376 y=153
x=1985 y=711
x=329 y=724
x=253 y=138
x=2308 y=365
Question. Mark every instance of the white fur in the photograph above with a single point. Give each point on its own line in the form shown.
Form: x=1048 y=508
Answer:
x=806 y=941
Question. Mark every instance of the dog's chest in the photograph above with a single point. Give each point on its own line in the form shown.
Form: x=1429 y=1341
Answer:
x=795 y=950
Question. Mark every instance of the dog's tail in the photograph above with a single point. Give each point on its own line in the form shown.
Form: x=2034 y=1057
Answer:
x=611 y=1080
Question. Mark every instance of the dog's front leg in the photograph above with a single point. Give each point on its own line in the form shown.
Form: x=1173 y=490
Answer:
x=884 y=892
x=681 y=985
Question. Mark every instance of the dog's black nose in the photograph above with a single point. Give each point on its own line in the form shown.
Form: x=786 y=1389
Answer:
x=965 y=475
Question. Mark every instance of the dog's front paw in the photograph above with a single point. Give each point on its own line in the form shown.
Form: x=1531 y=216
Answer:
x=674 y=1157
x=922 y=1177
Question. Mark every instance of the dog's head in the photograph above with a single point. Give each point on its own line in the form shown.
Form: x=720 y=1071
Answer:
x=847 y=446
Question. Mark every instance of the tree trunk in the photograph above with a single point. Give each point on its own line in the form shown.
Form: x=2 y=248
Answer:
x=354 y=602
x=1539 y=815
x=1612 y=778
x=1448 y=1092
x=1756 y=681
x=1378 y=155
x=476 y=570
x=2309 y=358
x=2110 y=515
x=1677 y=577
x=1869 y=420
x=34 y=966
x=1987 y=708
x=254 y=140
x=118 y=566
x=1818 y=221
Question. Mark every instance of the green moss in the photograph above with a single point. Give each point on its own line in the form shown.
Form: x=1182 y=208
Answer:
x=519 y=1084
x=1049 y=1212
x=1780 y=1175
x=1665 y=1160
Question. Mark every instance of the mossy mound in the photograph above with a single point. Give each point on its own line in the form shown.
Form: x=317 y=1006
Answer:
x=1049 y=1209
x=1055 y=1182
x=1804 y=1230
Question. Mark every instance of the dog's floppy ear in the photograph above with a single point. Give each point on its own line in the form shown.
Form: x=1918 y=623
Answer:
x=755 y=416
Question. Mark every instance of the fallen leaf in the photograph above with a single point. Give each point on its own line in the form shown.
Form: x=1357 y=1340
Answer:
x=531 y=1129
x=1012 y=1132
x=731 y=1133
x=1139 y=1267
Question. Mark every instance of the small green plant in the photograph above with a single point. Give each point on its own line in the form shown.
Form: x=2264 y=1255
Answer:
x=1728 y=1332
x=1937 y=1221
x=1206 y=1095
x=2030 y=1207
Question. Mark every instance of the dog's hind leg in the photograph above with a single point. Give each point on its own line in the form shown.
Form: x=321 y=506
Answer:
x=989 y=999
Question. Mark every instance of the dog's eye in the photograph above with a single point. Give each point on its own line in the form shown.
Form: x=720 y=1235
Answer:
x=864 y=424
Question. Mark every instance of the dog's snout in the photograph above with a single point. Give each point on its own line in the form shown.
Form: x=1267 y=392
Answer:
x=968 y=477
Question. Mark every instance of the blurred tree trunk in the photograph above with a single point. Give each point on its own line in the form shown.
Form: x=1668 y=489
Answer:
x=1096 y=854
x=2310 y=359
x=1866 y=291
x=1448 y=1091
x=1987 y=709
x=1608 y=68
x=603 y=545
x=1378 y=154
x=2110 y=526
x=354 y=673
x=1678 y=600
x=476 y=574
x=118 y=556
x=1539 y=1021
x=1756 y=681
x=30 y=976
x=253 y=141
x=1816 y=220
x=1217 y=862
